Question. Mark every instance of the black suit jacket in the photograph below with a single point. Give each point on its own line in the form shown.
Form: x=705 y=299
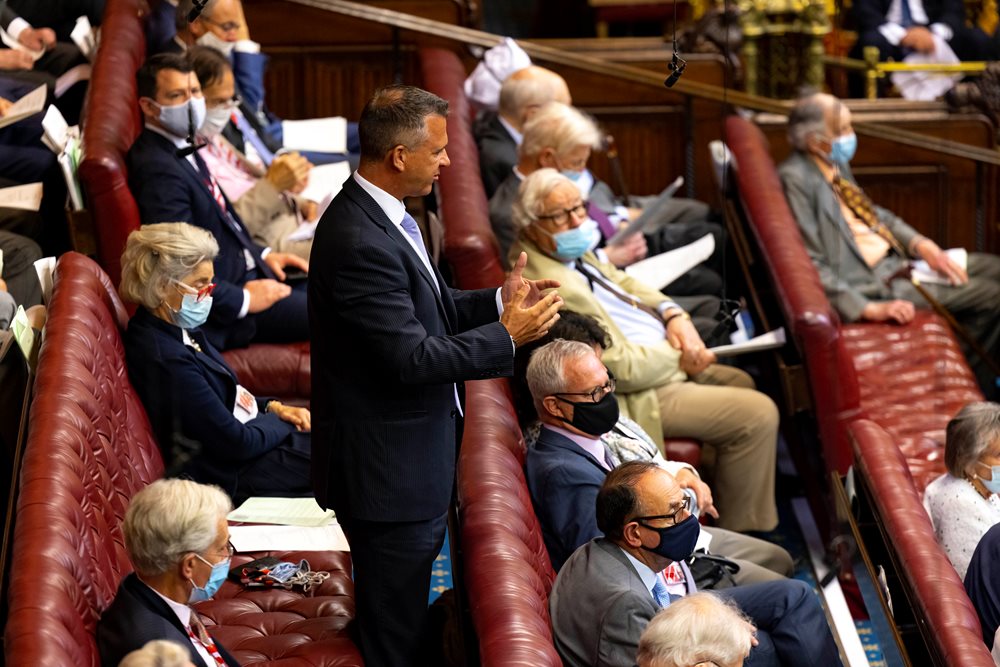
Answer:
x=137 y=616
x=870 y=14
x=497 y=151
x=189 y=397
x=387 y=349
x=168 y=188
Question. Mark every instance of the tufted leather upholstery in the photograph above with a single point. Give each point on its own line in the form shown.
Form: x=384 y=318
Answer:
x=508 y=574
x=932 y=585
x=89 y=450
x=113 y=121
x=909 y=379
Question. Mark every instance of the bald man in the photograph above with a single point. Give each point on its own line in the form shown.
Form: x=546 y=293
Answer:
x=498 y=134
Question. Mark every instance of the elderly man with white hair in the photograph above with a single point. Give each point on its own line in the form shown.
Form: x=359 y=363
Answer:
x=667 y=380
x=178 y=541
x=702 y=630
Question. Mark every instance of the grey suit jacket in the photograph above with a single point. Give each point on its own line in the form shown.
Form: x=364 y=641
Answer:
x=599 y=607
x=849 y=282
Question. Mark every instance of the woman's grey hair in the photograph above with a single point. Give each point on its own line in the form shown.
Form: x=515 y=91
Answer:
x=532 y=193
x=970 y=433
x=808 y=118
x=701 y=627
x=169 y=519
x=157 y=653
x=560 y=127
x=546 y=373
x=157 y=255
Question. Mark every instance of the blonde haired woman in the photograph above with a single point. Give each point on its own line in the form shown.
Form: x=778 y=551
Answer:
x=209 y=427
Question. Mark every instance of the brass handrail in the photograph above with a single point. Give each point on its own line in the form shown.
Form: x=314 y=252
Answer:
x=637 y=75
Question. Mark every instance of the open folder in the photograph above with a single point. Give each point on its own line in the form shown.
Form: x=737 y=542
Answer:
x=649 y=215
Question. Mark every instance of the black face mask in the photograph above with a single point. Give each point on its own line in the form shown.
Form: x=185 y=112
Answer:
x=594 y=419
x=677 y=542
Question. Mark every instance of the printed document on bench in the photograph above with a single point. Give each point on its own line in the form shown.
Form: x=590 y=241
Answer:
x=283 y=511
x=769 y=341
x=660 y=270
x=922 y=271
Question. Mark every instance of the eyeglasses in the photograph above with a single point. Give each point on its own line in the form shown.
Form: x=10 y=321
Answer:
x=229 y=104
x=200 y=294
x=562 y=217
x=685 y=507
x=230 y=551
x=595 y=394
x=228 y=26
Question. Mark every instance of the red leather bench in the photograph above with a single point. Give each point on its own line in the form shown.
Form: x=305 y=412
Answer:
x=112 y=121
x=508 y=574
x=882 y=395
x=89 y=450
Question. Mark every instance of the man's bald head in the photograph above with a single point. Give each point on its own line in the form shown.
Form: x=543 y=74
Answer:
x=527 y=90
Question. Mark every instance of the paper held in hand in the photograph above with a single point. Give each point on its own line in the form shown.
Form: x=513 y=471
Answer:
x=28 y=105
x=649 y=214
x=24 y=197
x=922 y=271
x=286 y=511
x=660 y=270
x=323 y=135
x=769 y=341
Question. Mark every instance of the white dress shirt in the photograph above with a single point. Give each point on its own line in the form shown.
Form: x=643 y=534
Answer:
x=183 y=613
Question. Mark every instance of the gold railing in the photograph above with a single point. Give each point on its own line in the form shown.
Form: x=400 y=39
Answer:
x=874 y=70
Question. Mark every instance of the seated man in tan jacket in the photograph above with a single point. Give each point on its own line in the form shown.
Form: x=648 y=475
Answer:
x=667 y=380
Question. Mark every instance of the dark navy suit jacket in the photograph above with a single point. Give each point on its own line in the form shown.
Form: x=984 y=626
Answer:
x=563 y=481
x=189 y=398
x=870 y=14
x=386 y=352
x=497 y=151
x=168 y=188
x=137 y=616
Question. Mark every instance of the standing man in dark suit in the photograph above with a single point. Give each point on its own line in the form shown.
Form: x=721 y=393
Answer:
x=391 y=344
x=171 y=183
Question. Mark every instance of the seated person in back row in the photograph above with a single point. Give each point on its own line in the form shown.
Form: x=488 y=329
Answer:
x=265 y=197
x=668 y=380
x=208 y=426
x=581 y=436
x=171 y=183
x=860 y=249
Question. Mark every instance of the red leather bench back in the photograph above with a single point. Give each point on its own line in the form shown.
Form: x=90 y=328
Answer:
x=89 y=450
x=469 y=244
x=938 y=596
x=809 y=316
x=508 y=574
x=112 y=123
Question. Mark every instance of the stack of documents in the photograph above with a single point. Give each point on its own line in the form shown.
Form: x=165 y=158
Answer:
x=299 y=524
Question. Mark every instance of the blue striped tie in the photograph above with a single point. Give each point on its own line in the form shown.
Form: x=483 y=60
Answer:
x=660 y=593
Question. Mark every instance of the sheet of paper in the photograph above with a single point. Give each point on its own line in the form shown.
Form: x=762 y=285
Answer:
x=925 y=274
x=287 y=511
x=28 y=105
x=23 y=333
x=24 y=197
x=660 y=270
x=325 y=180
x=305 y=231
x=288 y=538
x=83 y=37
x=12 y=43
x=71 y=77
x=323 y=135
x=56 y=130
x=46 y=270
x=769 y=341
x=649 y=214
x=1 y=261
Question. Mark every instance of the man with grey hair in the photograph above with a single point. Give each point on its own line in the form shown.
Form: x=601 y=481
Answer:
x=669 y=381
x=177 y=538
x=498 y=134
x=861 y=250
x=702 y=630
x=391 y=343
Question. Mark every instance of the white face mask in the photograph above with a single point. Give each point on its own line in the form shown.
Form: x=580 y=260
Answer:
x=215 y=120
x=210 y=39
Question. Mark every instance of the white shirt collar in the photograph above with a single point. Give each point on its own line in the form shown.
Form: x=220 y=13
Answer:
x=645 y=572
x=514 y=134
x=182 y=610
x=517 y=172
x=176 y=141
x=392 y=207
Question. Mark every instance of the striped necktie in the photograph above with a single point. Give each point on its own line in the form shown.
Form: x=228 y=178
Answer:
x=660 y=593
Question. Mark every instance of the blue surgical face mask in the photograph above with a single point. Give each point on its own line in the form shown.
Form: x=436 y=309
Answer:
x=572 y=175
x=993 y=484
x=574 y=243
x=218 y=575
x=192 y=313
x=842 y=148
x=177 y=119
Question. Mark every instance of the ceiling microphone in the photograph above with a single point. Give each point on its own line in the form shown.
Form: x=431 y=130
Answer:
x=196 y=10
x=676 y=66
